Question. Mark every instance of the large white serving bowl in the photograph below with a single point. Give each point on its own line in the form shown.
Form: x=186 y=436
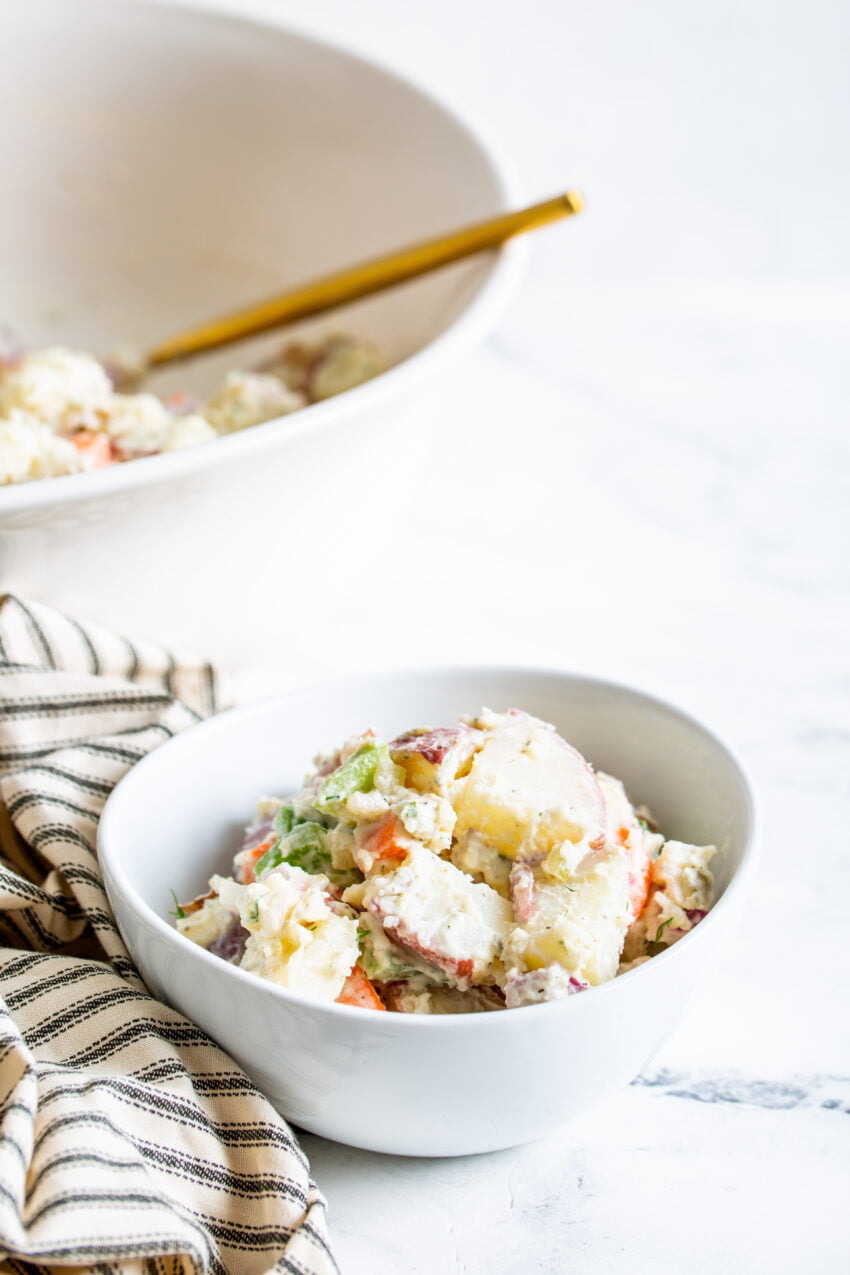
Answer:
x=166 y=165
x=410 y=1084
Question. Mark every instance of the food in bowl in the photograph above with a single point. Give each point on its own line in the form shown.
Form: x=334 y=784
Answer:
x=457 y=869
x=60 y=411
x=421 y=1084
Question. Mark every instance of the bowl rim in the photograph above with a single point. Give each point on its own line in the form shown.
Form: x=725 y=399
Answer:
x=110 y=858
x=471 y=325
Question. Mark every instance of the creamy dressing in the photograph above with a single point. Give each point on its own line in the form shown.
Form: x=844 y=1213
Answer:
x=60 y=412
x=455 y=870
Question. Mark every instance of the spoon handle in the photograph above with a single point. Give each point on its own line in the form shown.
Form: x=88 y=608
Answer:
x=362 y=280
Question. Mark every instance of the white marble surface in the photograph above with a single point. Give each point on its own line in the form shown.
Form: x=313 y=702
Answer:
x=646 y=474
x=662 y=497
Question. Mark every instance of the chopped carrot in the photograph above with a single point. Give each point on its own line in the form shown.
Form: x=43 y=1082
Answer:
x=640 y=869
x=179 y=401
x=245 y=873
x=380 y=842
x=357 y=990
x=95 y=449
x=640 y=874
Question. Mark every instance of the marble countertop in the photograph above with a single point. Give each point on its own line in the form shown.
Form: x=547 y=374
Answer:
x=653 y=483
x=645 y=474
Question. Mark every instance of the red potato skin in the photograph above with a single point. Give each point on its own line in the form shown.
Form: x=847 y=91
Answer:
x=522 y=892
x=432 y=758
x=359 y=991
x=231 y=944
x=382 y=846
x=599 y=825
x=460 y=970
x=434 y=745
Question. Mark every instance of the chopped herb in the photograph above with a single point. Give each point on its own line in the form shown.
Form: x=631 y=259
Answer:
x=643 y=824
x=662 y=927
x=254 y=914
x=362 y=934
x=178 y=911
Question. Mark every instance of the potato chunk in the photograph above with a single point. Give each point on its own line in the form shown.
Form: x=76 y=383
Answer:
x=581 y=926
x=429 y=907
x=432 y=759
x=527 y=791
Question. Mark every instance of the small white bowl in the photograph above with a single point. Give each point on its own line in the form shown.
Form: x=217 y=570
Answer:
x=409 y=1084
x=167 y=165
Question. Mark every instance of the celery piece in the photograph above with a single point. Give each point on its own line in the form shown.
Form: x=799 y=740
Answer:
x=382 y=959
x=284 y=821
x=303 y=847
x=271 y=859
x=355 y=775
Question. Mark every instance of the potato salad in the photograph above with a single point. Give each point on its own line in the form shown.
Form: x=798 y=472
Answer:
x=61 y=413
x=455 y=869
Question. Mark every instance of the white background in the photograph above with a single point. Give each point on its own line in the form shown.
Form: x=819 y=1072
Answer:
x=645 y=473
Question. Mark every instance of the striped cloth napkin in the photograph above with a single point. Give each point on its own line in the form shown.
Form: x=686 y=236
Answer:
x=128 y=1141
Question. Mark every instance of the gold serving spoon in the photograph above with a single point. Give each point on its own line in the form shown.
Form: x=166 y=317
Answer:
x=361 y=280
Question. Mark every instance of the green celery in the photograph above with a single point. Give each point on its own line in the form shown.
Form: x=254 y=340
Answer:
x=355 y=775
x=284 y=821
x=303 y=847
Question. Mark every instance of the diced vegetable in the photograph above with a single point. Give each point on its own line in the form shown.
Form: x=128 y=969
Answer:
x=284 y=821
x=355 y=775
x=304 y=847
x=384 y=961
x=358 y=991
x=381 y=842
x=249 y=860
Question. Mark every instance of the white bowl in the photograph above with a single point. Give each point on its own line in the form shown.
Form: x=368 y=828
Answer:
x=169 y=165
x=409 y=1084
